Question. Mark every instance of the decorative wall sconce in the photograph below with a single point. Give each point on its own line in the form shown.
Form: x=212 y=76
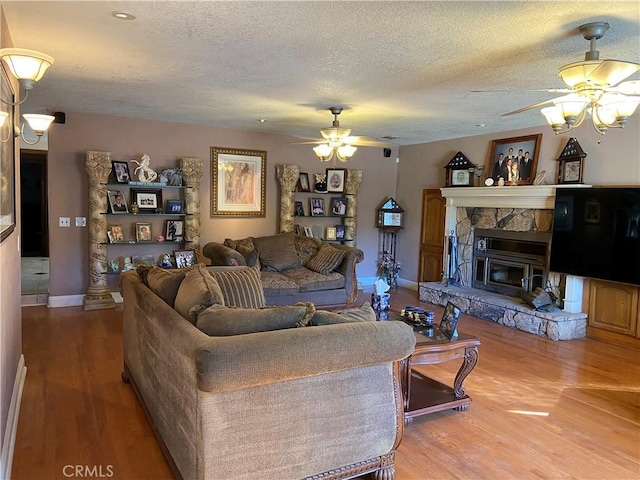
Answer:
x=28 y=66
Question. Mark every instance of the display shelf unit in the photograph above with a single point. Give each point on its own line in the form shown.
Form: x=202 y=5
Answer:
x=288 y=175
x=98 y=167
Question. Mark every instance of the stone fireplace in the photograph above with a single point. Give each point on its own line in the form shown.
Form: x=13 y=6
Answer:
x=502 y=235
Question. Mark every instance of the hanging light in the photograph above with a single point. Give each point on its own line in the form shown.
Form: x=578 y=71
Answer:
x=28 y=66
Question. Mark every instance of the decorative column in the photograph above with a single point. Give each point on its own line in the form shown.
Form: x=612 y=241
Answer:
x=351 y=185
x=192 y=169
x=98 y=167
x=288 y=176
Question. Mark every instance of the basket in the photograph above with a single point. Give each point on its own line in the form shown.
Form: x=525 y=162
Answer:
x=540 y=298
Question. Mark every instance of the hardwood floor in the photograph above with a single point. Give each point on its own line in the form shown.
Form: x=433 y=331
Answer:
x=541 y=409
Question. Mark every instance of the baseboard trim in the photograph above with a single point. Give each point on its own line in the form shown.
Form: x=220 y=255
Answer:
x=8 y=446
x=75 y=300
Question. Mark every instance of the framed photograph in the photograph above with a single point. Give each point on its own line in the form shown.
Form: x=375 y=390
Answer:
x=339 y=232
x=307 y=231
x=514 y=159
x=7 y=161
x=335 y=179
x=317 y=207
x=238 y=182
x=331 y=233
x=297 y=229
x=115 y=233
x=143 y=232
x=147 y=259
x=117 y=202
x=303 y=182
x=592 y=212
x=449 y=320
x=171 y=177
x=299 y=209
x=175 y=206
x=148 y=200
x=339 y=206
x=174 y=231
x=184 y=258
x=121 y=171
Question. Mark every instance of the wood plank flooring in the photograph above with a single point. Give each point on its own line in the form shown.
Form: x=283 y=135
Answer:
x=540 y=410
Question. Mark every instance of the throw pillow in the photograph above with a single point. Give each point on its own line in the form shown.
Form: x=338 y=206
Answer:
x=222 y=321
x=277 y=251
x=365 y=313
x=326 y=260
x=165 y=283
x=241 y=286
x=306 y=247
x=198 y=289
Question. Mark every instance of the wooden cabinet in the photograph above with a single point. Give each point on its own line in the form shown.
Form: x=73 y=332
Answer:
x=431 y=236
x=613 y=312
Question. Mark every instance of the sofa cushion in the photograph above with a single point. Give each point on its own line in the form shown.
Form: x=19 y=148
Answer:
x=277 y=252
x=306 y=247
x=326 y=260
x=219 y=321
x=274 y=283
x=365 y=313
x=241 y=286
x=310 y=281
x=165 y=283
x=198 y=290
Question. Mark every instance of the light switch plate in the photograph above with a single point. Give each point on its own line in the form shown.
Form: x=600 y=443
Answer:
x=81 y=221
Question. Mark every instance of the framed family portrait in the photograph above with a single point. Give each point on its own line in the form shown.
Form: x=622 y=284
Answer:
x=238 y=182
x=143 y=232
x=115 y=233
x=121 y=171
x=317 y=206
x=7 y=160
x=117 y=202
x=339 y=206
x=335 y=179
x=184 y=258
x=299 y=209
x=148 y=200
x=514 y=159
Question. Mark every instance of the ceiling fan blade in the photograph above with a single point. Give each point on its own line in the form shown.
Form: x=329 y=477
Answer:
x=548 y=90
x=612 y=72
x=308 y=142
x=524 y=109
x=365 y=142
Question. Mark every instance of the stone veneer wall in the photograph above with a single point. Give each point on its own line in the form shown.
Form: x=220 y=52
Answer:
x=511 y=219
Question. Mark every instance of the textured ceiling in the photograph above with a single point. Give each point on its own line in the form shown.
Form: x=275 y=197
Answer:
x=401 y=69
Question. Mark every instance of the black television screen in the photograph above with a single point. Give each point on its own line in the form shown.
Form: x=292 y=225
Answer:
x=596 y=233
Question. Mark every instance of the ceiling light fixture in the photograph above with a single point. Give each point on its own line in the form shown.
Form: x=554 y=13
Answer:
x=593 y=82
x=338 y=143
x=28 y=67
x=123 y=15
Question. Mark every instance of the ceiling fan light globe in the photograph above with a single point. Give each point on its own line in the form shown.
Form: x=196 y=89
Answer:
x=346 y=151
x=571 y=105
x=554 y=118
x=631 y=87
x=323 y=151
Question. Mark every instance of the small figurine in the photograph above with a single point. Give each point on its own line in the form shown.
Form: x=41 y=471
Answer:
x=144 y=170
x=114 y=265
x=321 y=182
x=166 y=261
x=159 y=238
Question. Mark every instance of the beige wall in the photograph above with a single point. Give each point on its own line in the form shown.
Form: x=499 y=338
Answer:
x=10 y=320
x=127 y=138
x=613 y=159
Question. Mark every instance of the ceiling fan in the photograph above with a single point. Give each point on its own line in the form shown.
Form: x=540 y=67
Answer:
x=594 y=87
x=338 y=143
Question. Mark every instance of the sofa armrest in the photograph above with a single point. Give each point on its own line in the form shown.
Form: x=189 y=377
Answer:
x=244 y=361
x=348 y=269
x=219 y=254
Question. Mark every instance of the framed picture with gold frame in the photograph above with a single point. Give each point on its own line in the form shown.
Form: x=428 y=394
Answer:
x=7 y=160
x=238 y=182
x=515 y=160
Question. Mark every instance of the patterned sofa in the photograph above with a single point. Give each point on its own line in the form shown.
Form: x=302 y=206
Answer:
x=238 y=391
x=294 y=268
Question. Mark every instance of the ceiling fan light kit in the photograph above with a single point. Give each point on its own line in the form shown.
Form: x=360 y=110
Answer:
x=596 y=90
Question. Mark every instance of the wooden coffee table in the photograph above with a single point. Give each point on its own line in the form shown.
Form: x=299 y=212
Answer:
x=423 y=395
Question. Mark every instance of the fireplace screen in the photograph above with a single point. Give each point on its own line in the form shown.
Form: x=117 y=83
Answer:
x=503 y=259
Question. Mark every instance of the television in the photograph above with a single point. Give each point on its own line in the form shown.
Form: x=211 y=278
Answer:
x=596 y=233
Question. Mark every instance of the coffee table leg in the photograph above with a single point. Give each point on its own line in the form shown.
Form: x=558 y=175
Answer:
x=469 y=361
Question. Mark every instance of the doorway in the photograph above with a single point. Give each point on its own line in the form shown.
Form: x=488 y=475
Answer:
x=34 y=235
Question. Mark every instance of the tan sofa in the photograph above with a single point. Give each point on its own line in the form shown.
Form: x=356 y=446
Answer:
x=293 y=267
x=275 y=402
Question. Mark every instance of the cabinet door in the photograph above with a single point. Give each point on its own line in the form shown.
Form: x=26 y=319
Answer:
x=431 y=236
x=613 y=307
